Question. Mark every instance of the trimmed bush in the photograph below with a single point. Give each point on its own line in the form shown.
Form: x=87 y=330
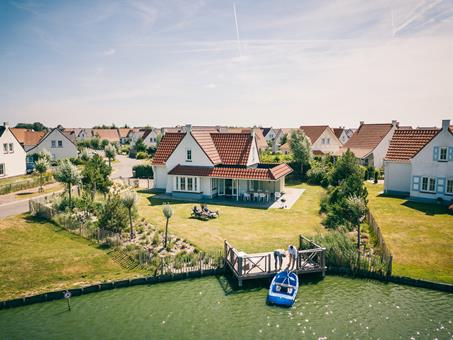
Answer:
x=142 y=155
x=142 y=171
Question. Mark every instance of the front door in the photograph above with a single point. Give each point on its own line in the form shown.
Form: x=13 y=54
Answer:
x=228 y=187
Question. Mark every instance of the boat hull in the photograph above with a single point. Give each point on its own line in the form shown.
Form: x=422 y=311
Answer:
x=283 y=289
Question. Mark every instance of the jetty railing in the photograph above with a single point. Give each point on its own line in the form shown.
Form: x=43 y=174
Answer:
x=310 y=259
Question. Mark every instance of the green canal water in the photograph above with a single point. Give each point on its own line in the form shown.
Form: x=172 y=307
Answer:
x=334 y=308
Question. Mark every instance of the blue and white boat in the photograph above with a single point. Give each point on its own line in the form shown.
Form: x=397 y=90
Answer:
x=283 y=289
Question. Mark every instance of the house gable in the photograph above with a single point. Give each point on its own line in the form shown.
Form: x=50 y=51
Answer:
x=179 y=155
x=67 y=150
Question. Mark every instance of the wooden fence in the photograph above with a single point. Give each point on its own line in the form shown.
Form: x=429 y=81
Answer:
x=377 y=232
x=33 y=182
x=262 y=265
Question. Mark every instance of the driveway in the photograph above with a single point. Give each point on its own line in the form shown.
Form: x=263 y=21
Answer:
x=123 y=166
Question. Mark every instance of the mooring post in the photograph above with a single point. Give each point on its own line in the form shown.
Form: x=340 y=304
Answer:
x=323 y=261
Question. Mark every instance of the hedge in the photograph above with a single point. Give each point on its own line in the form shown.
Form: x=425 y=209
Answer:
x=142 y=171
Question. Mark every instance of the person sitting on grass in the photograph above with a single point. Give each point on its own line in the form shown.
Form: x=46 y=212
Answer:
x=207 y=212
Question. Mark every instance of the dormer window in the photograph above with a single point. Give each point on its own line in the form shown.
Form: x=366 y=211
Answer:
x=188 y=155
x=443 y=152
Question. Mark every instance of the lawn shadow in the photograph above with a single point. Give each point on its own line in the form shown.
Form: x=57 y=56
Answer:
x=429 y=209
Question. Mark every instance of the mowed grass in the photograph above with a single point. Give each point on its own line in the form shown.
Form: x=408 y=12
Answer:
x=247 y=229
x=37 y=257
x=420 y=236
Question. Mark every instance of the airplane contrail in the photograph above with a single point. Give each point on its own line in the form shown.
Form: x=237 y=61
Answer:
x=237 y=29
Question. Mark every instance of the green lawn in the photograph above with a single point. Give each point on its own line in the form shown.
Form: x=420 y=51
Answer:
x=15 y=179
x=247 y=229
x=38 y=256
x=420 y=236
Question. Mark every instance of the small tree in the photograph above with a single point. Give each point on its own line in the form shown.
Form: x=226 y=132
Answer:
x=95 y=175
x=84 y=155
x=376 y=176
x=140 y=146
x=95 y=143
x=301 y=150
x=68 y=174
x=168 y=213
x=357 y=210
x=104 y=143
x=41 y=167
x=129 y=201
x=114 y=215
x=110 y=153
x=45 y=154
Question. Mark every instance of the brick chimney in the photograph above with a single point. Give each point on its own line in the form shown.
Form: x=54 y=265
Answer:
x=395 y=123
x=362 y=122
x=445 y=124
x=6 y=125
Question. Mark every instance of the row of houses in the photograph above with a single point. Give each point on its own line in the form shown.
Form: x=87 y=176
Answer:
x=19 y=145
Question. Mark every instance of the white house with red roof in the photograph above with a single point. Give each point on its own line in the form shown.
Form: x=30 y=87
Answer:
x=57 y=143
x=12 y=155
x=419 y=163
x=370 y=143
x=206 y=164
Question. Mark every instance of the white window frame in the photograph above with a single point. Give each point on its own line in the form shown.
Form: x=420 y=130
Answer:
x=182 y=183
x=188 y=153
x=443 y=148
x=429 y=181
x=11 y=147
x=60 y=143
x=449 y=181
x=53 y=144
x=3 y=169
x=327 y=140
x=5 y=147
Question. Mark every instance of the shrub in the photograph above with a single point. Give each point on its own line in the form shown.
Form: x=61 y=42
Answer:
x=143 y=171
x=114 y=215
x=142 y=155
x=156 y=238
x=376 y=176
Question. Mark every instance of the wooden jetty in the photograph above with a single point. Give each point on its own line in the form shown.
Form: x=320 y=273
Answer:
x=311 y=259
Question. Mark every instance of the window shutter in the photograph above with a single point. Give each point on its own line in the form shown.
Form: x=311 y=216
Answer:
x=416 y=183
x=436 y=153
x=440 y=185
x=450 y=153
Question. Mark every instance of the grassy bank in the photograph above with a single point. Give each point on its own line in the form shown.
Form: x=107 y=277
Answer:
x=247 y=229
x=420 y=236
x=37 y=257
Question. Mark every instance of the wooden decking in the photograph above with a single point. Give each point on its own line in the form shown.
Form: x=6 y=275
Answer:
x=311 y=259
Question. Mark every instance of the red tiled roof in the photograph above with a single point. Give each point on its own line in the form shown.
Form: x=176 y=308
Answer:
x=28 y=137
x=123 y=132
x=221 y=148
x=313 y=131
x=406 y=143
x=270 y=174
x=111 y=135
x=205 y=141
x=233 y=148
x=338 y=131
x=366 y=138
x=166 y=147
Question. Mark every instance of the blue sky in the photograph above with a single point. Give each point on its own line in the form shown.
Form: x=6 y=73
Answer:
x=80 y=63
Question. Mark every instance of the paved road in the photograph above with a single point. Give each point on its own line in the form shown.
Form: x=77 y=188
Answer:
x=123 y=166
x=13 y=208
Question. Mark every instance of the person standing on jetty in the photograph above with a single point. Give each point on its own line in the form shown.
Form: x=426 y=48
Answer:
x=292 y=257
x=279 y=254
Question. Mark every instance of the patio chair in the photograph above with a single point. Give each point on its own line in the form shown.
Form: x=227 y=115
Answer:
x=198 y=214
x=277 y=196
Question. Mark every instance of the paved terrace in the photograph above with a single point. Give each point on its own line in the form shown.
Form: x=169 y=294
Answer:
x=287 y=200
